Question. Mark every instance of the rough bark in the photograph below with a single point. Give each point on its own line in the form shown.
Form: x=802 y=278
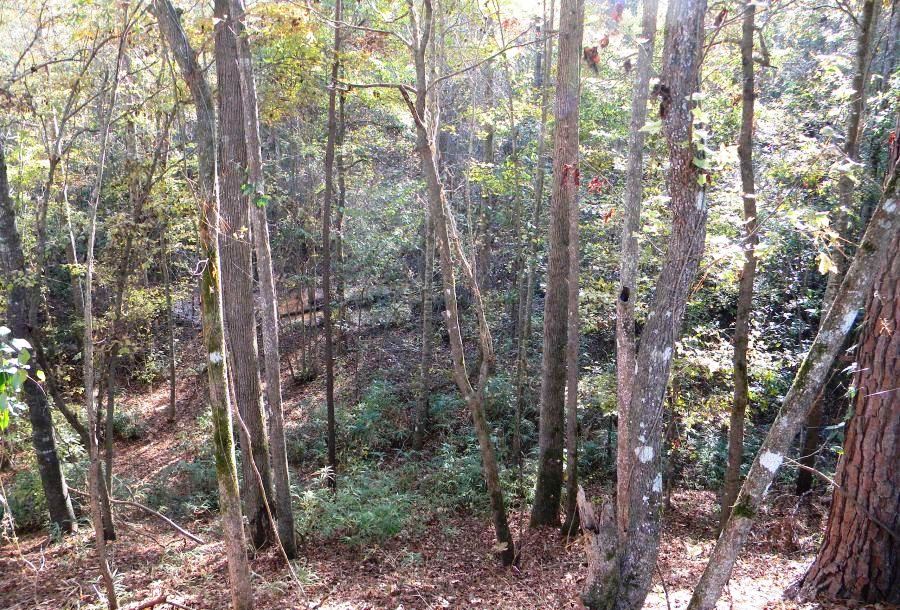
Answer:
x=53 y=481
x=860 y=556
x=806 y=385
x=211 y=307
x=845 y=223
x=170 y=321
x=268 y=302
x=237 y=276
x=748 y=271
x=548 y=488
x=629 y=257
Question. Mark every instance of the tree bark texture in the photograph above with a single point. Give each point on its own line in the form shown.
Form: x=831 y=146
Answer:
x=53 y=481
x=237 y=277
x=860 y=556
x=573 y=344
x=629 y=258
x=548 y=488
x=268 y=301
x=211 y=307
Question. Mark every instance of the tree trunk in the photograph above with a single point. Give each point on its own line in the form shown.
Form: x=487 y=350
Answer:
x=859 y=559
x=807 y=383
x=340 y=279
x=545 y=510
x=170 y=320
x=53 y=481
x=626 y=344
x=448 y=244
x=543 y=65
x=844 y=223
x=211 y=307
x=748 y=272
x=95 y=474
x=237 y=276
x=626 y=585
x=422 y=403
x=268 y=300
x=570 y=526
x=327 y=247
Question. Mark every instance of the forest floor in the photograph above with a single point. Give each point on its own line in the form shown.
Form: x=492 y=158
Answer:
x=444 y=562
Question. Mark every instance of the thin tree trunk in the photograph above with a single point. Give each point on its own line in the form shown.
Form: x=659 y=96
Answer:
x=571 y=524
x=807 y=383
x=268 y=299
x=340 y=271
x=211 y=307
x=327 y=247
x=53 y=480
x=548 y=488
x=170 y=320
x=545 y=60
x=95 y=474
x=748 y=272
x=859 y=559
x=629 y=257
x=448 y=244
x=422 y=403
x=237 y=275
x=844 y=223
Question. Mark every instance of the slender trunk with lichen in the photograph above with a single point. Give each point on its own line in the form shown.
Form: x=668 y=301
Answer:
x=211 y=307
x=629 y=256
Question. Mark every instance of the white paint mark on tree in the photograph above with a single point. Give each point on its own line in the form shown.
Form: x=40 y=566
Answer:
x=216 y=358
x=644 y=453
x=771 y=461
x=657 y=483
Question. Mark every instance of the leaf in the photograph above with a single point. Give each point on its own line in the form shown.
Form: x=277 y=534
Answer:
x=4 y=331
x=702 y=163
x=20 y=344
x=40 y=375
x=4 y=418
x=651 y=127
x=826 y=265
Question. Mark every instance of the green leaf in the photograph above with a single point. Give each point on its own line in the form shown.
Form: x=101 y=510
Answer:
x=651 y=127
x=702 y=163
x=40 y=375
x=4 y=418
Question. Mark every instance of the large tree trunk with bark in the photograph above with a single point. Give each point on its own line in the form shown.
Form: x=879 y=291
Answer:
x=626 y=584
x=807 y=384
x=845 y=224
x=211 y=307
x=748 y=272
x=53 y=481
x=626 y=342
x=237 y=278
x=268 y=301
x=860 y=556
x=573 y=344
x=548 y=488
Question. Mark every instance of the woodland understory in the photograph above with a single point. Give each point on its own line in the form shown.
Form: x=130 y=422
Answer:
x=352 y=304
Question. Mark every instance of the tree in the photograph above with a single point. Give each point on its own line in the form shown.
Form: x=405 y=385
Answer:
x=548 y=488
x=859 y=557
x=53 y=481
x=268 y=299
x=626 y=343
x=327 y=246
x=211 y=306
x=807 y=384
x=624 y=582
x=748 y=271
x=237 y=277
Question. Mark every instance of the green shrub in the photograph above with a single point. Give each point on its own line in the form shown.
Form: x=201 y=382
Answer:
x=26 y=501
x=368 y=508
x=127 y=427
x=187 y=487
